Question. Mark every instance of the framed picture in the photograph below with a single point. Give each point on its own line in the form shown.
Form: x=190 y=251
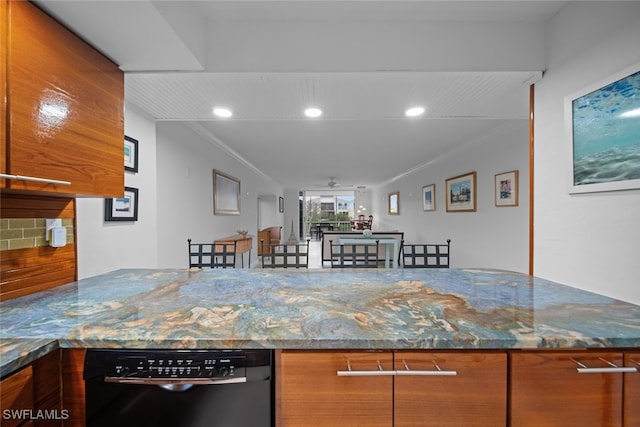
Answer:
x=130 y=154
x=281 y=204
x=602 y=124
x=394 y=203
x=429 y=198
x=226 y=194
x=123 y=208
x=461 y=193
x=506 y=189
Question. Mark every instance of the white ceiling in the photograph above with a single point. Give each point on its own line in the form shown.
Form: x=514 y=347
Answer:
x=470 y=63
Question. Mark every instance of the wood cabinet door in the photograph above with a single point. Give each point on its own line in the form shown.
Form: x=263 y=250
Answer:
x=632 y=391
x=16 y=394
x=65 y=110
x=310 y=392
x=547 y=389
x=450 y=389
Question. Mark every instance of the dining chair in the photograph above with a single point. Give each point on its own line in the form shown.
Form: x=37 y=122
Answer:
x=426 y=255
x=285 y=256
x=361 y=255
x=213 y=255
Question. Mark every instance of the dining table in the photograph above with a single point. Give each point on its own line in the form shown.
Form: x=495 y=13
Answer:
x=391 y=258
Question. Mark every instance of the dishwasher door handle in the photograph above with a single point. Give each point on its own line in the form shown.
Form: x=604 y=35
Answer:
x=175 y=381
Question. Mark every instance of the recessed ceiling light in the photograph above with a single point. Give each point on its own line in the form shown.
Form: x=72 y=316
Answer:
x=313 y=112
x=414 y=111
x=222 y=112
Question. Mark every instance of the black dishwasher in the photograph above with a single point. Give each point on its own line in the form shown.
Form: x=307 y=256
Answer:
x=179 y=388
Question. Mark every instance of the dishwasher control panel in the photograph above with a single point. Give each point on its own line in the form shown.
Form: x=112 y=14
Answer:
x=206 y=365
x=174 y=366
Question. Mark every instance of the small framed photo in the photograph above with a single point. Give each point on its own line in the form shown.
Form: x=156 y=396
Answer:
x=130 y=154
x=461 y=193
x=226 y=194
x=281 y=204
x=394 y=203
x=506 y=189
x=123 y=208
x=429 y=198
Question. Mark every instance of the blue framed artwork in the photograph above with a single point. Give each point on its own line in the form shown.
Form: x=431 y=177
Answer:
x=130 y=154
x=603 y=127
x=123 y=208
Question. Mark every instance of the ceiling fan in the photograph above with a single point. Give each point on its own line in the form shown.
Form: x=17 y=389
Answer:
x=333 y=184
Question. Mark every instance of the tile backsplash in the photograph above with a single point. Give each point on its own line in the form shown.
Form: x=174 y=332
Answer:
x=20 y=233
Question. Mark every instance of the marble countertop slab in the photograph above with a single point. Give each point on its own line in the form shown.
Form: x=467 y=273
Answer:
x=16 y=353
x=317 y=309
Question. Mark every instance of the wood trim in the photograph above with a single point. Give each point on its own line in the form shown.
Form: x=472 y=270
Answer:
x=46 y=387
x=73 y=393
x=34 y=206
x=3 y=88
x=531 y=175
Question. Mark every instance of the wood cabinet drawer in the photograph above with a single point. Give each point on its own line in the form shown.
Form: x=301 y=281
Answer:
x=548 y=390
x=310 y=393
x=450 y=389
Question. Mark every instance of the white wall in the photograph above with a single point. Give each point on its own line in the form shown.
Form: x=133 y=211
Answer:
x=491 y=237
x=185 y=163
x=591 y=241
x=106 y=246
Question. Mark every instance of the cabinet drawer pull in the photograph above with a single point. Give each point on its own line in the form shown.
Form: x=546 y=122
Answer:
x=437 y=372
x=351 y=373
x=612 y=369
x=34 y=178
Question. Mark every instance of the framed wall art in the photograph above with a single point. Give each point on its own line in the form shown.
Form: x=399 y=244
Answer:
x=602 y=125
x=123 y=208
x=394 y=203
x=461 y=193
x=429 y=198
x=506 y=189
x=130 y=154
x=226 y=194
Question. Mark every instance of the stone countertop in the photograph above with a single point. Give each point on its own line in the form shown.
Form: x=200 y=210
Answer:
x=313 y=309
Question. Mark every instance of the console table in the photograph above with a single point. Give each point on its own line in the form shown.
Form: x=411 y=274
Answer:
x=388 y=242
x=244 y=243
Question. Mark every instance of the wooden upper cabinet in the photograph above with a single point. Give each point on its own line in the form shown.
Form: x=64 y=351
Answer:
x=450 y=389
x=548 y=390
x=65 y=109
x=310 y=393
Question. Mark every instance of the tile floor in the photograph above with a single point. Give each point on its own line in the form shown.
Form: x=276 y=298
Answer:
x=315 y=259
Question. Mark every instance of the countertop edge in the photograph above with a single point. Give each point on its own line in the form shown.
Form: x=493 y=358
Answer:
x=16 y=354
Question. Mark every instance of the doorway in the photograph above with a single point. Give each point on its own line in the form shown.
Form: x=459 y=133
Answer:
x=326 y=209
